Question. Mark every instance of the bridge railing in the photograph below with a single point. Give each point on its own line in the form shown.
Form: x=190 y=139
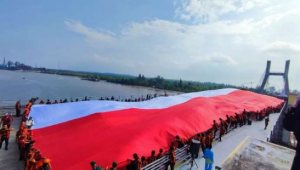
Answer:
x=180 y=154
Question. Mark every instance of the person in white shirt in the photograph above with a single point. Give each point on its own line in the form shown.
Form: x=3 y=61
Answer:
x=29 y=123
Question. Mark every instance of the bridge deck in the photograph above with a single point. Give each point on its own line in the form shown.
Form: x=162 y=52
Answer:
x=230 y=141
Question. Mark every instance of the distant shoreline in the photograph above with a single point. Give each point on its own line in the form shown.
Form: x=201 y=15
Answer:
x=153 y=88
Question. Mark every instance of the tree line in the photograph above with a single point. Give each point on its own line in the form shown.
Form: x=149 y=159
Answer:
x=158 y=82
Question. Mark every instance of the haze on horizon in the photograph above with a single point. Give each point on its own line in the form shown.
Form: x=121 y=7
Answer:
x=201 y=40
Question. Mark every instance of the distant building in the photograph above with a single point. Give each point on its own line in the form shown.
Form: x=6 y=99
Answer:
x=2 y=66
x=4 y=61
x=9 y=64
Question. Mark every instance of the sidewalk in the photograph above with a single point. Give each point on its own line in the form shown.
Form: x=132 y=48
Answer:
x=9 y=160
x=233 y=139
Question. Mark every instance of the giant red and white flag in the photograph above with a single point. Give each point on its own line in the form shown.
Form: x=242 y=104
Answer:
x=73 y=134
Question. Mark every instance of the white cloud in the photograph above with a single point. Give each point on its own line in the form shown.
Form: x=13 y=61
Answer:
x=204 y=11
x=92 y=36
x=174 y=49
x=282 y=49
x=220 y=59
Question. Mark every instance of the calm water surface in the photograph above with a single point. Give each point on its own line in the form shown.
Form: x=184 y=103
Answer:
x=13 y=87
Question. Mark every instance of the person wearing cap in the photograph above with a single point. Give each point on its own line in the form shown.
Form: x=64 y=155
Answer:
x=29 y=123
x=6 y=120
x=94 y=166
x=11 y=117
x=18 y=108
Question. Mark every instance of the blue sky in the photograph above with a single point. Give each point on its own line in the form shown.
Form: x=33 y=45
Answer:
x=202 y=40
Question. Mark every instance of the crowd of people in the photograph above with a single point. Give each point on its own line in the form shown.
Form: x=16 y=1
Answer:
x=34 y=160
x=112 y=98
x=206 y=139
x=31 y=155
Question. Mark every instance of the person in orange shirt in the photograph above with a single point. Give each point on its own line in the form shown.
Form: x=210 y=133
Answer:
x=44 y=164
x=5 y=134
x=18 y=108
x=209 y=138
x=29 y=163
x=173 y=145
x=215 y=128
x=179 y=141
x=172 y=159
x=135 y=164
x=152 y=158
x=223 y=126
x=144 y=162
x=245 y=117
x=203 y=142
x=22 y=143
x=160 y=154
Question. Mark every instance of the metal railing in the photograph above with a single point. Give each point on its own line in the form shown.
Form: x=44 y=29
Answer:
x=276 y=132
x=180 y=155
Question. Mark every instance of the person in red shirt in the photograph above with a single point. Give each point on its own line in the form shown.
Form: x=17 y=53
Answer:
x=42 y=102
x=5 y=134
x=18 y=109
x=172 y=159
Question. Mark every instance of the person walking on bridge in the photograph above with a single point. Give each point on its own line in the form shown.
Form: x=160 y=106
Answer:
x=209 y=158
x=266 y=122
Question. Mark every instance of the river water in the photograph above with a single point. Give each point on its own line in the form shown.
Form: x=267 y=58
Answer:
x=17 y=85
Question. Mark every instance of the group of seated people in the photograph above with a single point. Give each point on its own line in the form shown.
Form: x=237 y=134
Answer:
x=28 y=153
